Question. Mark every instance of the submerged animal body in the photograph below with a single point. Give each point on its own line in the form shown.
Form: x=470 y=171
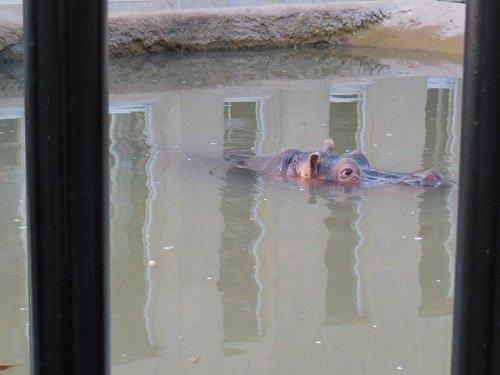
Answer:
x=351 y=168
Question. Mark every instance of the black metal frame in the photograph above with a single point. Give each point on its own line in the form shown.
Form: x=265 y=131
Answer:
x=67 y=169
x=476 y=340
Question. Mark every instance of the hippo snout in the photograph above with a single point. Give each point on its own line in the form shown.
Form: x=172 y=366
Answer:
x=428 y=178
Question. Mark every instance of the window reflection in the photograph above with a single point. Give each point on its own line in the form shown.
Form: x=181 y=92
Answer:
x=131 y=191
x=13 y=231
x=244 y=126
x=346 y=296
x=347 y=115
x=440 y=123
x=438 y=208
x=239 y=280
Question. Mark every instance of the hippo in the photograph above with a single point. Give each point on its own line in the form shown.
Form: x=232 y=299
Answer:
x=348 y=169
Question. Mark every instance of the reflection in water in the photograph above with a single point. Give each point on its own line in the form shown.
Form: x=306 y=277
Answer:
x=243 y=126
x=130 y=154
x=310 y=278
x=347 y=115
x=345 y=298
x=345 y=292
x=13 y=294
x=238 y=281
x=440 y=117
x=435 y=267
x=436 y=219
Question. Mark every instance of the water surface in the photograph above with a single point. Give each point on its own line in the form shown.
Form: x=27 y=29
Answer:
x=217 y=270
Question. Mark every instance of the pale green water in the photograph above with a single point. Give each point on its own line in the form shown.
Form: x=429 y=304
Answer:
x=219 y=271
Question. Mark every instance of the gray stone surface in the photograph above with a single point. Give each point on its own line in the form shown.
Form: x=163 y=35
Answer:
x=11 y=39
x=416 y=25
x=237 y=28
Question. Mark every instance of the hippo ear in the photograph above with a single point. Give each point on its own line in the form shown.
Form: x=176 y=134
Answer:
x=328 y=145
x=313 y=163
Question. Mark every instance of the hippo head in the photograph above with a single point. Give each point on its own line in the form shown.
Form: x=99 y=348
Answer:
x=318 y=165
x=351 y=169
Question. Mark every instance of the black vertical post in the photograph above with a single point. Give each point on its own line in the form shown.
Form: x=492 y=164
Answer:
x=476 y=336
x=67 y=171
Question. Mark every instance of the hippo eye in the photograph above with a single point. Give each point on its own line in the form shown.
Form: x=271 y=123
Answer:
x=347 y=172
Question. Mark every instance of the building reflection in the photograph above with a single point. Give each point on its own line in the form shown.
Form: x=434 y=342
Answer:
x=13 y=231
x=347 y=115
x=437 y=208
x=436 y=229
x=363 y=257
x=442 y=111
x=130 y=190
x=239 y=282
x=435 y=267
x=346 y=296
x=312 y=265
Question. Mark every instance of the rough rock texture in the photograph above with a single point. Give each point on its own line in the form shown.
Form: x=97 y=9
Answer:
x=236 y=28
x=420 y=26
x=408 y=25
x=11 y=41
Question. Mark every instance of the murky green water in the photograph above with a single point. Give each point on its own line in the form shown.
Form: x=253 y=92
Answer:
x=220 y=271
